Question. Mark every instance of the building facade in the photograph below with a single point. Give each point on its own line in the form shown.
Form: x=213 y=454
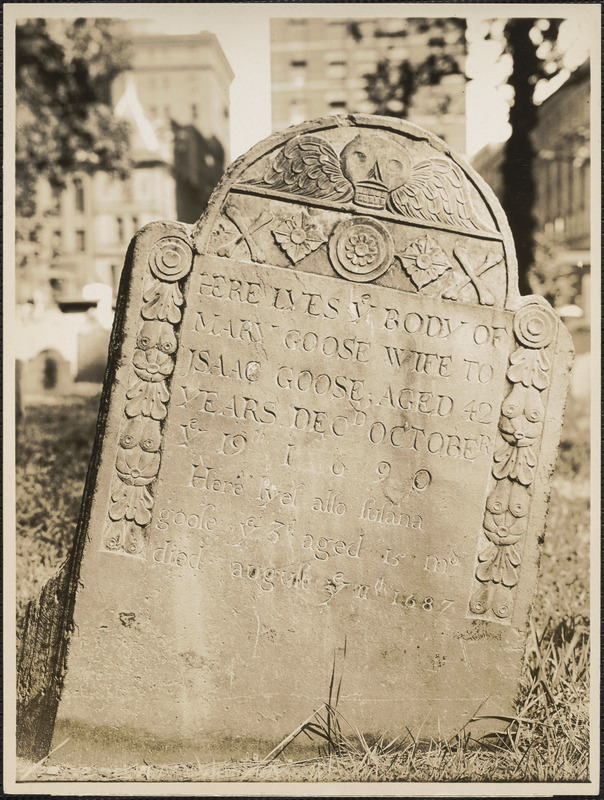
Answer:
x=561 y=142
x=318 y=67
x=181 y=79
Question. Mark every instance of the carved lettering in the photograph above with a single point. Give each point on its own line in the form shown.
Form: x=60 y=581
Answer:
x=206 y=478
x=418 y=401
x=433 y=327
x=478 y=373
x=348 y=349
x=230 y=289
x=386 y=513
x=435 y=442
x=324 y=548
x=307 y=302
x=269 y=492
x=332 y=504
x=202 y=520
x=321 y=384
x=268 y=577
x=170 y=553
x=431 y=364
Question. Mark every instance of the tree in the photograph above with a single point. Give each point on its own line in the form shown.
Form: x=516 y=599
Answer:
x=392 y=87
x=65 y=123
x=524 y=38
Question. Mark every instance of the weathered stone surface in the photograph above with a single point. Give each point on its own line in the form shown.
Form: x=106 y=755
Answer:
x=323 y=454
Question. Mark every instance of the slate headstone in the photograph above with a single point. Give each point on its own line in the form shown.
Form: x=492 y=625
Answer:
x=323 y=460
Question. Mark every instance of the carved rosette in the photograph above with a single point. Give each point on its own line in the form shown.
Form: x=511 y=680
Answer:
x=514 y=462
x=424 y=261
x=361 y=249
x=298 y=236
x=138 y=454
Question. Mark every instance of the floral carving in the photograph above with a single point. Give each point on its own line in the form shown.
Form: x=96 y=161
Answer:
x=424 y=261
x=514 y=462
x=361 y=249
x=298 y=236
x=162 y=301
x=138 y=455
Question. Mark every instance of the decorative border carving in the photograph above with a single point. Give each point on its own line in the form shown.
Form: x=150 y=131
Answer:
x=138 y=454
x=514 y=462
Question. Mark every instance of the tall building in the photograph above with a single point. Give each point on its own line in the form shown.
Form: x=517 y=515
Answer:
x=318 y=67
x=184 y=79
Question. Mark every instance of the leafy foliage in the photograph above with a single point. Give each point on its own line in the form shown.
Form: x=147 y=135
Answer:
x=65 y=123
x=393 y=85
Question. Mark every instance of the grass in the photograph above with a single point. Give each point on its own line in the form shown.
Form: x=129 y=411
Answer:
x=548 y=740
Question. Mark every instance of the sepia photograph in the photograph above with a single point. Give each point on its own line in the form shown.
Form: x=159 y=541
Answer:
x=302 y=399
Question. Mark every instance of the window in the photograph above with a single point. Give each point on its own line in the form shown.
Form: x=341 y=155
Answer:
x=297 y=113
x=336 y=69
x=120 y=229
x=153 y=111
x=338 y=104
x=135 y=224
x=298 y=73
x=194 y=111
x=56 y=243
x=78 y=187
x=559 y=199
x=583 y=186
x=81 y=241
x=570 y=188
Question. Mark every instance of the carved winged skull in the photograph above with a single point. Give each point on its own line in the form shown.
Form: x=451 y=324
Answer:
x=373 y=172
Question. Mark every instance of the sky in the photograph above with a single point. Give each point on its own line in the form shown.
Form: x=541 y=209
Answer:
x=243 y=30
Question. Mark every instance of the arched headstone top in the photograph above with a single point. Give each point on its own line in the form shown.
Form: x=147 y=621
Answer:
x=371 y=200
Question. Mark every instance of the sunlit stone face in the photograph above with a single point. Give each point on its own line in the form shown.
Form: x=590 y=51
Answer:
x=373 y=158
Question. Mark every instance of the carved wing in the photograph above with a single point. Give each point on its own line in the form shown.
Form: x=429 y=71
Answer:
x=437 y=192
x=308 y=165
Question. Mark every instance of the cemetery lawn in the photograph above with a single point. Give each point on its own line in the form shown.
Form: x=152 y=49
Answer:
x=547 y=741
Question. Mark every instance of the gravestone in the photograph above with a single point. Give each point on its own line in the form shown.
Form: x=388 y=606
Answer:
x=322 y=460
x=46 y=373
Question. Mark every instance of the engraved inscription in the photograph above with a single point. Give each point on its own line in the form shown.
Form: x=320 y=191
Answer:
x=363 y=421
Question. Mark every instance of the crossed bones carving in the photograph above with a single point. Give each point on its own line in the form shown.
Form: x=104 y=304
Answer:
x=245 y=233
x=484 y=295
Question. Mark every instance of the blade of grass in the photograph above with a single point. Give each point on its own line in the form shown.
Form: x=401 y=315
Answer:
x=282 y=745
x=42 y=760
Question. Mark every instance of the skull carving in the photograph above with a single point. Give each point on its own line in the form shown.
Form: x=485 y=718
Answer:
x=375 y=166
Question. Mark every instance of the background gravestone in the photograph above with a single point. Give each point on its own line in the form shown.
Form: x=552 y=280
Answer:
x=323 y=458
